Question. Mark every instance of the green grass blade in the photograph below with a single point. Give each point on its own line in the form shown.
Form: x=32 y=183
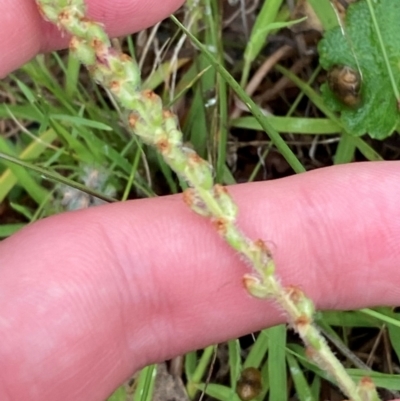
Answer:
x=13 y=162
x=258 y=38
x=345 y=150
x=295 y=125
x=235 y=363
x=258 y=351
x=286 y=152
x=277 y=363
x=383 y=50
x=9 y=229
x=145 y=384
x=8 y=179
x=24 y=179
x=303 y=390
x=325 y=13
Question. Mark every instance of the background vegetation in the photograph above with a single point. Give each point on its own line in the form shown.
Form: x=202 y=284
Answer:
x=64 y=146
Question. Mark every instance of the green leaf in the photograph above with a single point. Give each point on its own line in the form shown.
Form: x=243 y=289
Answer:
x=234 y=361
x=118 y=395
x=277 y=363
x=357 y=44
x=219 y=392
x=258 y=351
x=8 y=229
x=303 y=390
x=145 y=384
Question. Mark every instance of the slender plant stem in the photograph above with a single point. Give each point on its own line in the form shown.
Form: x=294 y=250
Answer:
x=158 y=127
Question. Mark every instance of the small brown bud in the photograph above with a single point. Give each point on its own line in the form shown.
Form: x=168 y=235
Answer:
x=249 y=384
x=295 y=294
x=115 y=86
x=302 y=321
x=64 y=17
x=167 y=113
x=163 y=145
x=220 y=224
x=149 y=94
x=188 y=197
x=133 y=118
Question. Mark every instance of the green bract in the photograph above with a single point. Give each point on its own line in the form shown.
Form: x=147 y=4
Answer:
x=357 y=45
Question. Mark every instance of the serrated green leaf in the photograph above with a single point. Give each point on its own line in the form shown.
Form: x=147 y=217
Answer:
x=356 y=44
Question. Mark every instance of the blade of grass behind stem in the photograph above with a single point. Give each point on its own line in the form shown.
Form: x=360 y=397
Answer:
x=300 y=96
x=41 y=76
x=394 y=335
x=265 y=382
x=277 y=363
x=161 y=74
x=75 y=94
x=294 y=125
x=196 y=125
x=253 y=108
x=22 y=210
x=301 y=386
x=129 y=183
x=382 y=317
x=117 y=157
x=384 y=380
x=24 y=179
x=72 y=76
x=227 y=176
x=9 y=229
x=235 y=363
x=346 y=319
x=316 y=387
x=73 y=143
x=201 y=369
x=168 y=174
x=23 y=112
x=219 y=121
x=145 y=384
x=218 y=391
x=203 y=108
x=258 y=351
x=221 y=136
x=259 y=34
x=188 y=81
x=8 y=179
x=119 y=395
x=364 y=148
x=345 y=151
x=383 y=50
x=51 y=175
x=191 y=361
x=81 y=121
x=325 y=13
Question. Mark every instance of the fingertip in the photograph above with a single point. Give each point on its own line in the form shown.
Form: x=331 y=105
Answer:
x=20 y=33
x=24 y=33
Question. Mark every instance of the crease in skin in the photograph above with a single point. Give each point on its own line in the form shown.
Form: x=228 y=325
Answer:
x=192 y=296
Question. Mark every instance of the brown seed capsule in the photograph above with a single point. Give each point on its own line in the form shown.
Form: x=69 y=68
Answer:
x=249 y=384
x=345 y=83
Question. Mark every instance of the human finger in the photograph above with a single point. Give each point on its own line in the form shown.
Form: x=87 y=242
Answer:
x=24 y=33
x=86 y=298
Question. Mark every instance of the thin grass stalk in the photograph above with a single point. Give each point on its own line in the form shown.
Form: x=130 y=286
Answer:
x=158 y=127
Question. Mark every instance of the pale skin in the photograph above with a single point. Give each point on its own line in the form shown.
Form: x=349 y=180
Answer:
x=87 y=298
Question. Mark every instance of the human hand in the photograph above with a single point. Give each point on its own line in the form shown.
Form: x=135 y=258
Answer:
x=86 y=298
